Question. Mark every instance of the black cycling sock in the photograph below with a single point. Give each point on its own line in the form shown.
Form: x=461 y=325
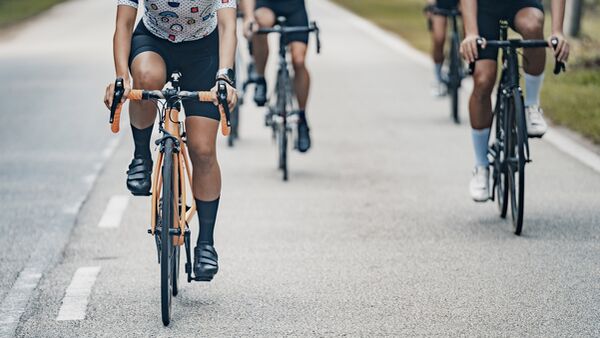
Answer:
x=141 y=139
x=207 y=216
x=302 y=115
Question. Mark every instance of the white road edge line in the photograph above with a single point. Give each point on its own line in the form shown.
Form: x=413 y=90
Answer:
x=14 y=303
x=74 y=304
x=114 y=212
x=396 y=43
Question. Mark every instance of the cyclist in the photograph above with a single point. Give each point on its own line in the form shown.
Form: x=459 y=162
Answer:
x=197 y=38
x=481 y=19
x=265 y=13
x=438 y=34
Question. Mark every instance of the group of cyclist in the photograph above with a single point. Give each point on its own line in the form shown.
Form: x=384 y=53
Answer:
x=481 y=21
x=199 y=39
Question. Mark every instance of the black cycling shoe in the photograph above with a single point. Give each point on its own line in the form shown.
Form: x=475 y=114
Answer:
x=260 y=92
x=206 y=262
x=303 y=136
x=139 y=177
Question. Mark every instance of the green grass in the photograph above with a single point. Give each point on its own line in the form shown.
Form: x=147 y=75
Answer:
x=13 y=11
x=571 y=99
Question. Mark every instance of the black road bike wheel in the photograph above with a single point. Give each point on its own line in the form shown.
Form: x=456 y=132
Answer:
x=500 y=156
x=166 y=222
x=454 y=79
x=516 y=168
x=282 y=140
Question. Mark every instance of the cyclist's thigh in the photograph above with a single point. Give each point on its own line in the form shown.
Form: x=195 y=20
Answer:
x=527 y=18
x=488 y=22
x=198 y=62
x=201 y=135
x=438 y=26
x=147 y=60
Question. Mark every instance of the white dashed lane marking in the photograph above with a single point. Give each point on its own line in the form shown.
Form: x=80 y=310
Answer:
x=114 y=212
x=74 y=305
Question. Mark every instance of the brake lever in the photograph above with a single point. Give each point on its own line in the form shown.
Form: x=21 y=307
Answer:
x=117 y=97
x=559 y=66
x=222 y=98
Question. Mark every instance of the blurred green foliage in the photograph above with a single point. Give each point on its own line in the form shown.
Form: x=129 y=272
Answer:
x=12 y=11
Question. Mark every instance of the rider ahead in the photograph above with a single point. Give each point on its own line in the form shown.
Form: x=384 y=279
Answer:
x=481 y=19
x=439 y=24
x=197 y=38
x=265 y=14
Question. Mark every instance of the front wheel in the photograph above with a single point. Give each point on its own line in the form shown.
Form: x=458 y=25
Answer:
x=282 y=140
x=454 y=79
x=167 y=253
x=516 y=169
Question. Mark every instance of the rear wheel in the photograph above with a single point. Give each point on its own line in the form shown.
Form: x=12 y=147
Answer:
x=516 y=169
x=235 y=122
x=282 y=140
x=167 y=253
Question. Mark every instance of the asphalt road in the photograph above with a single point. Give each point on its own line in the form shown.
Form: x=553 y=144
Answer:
x=374 y=235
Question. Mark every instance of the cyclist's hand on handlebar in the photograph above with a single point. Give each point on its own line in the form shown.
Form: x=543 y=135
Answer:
x=231 y=95
x=469 y=47
x=250 y=26
x=562 y=50
x=110 y=92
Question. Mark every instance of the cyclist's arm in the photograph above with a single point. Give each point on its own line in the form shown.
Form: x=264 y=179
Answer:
x=468 y=48
x=126 y=14
x=122 y=40
x=558 y=16
x=227 y=37
x=248 y=7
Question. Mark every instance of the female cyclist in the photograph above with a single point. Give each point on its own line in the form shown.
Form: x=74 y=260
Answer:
x=197 y=38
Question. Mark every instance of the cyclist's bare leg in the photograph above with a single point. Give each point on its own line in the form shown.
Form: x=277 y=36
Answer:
x=301 y=74
x=438 y=35
x=148 y=70
x=480 y=103
x=265 y=19
x=529 y=22
x=201 y=140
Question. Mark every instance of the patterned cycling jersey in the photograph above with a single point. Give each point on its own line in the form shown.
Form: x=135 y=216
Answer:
x=181 y=20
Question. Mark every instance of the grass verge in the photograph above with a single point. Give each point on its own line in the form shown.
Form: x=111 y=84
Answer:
x=571 y=99
x=13 y=11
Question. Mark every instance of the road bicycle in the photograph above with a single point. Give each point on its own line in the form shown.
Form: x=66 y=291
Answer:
x=283 y=108
x=172 y=178
x=454 y=64
x=509 y=149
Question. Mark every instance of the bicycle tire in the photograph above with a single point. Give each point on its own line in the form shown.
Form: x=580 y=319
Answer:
x=283 y=148
x=517 y=167
x=233 y=135
x=167 y=246
x=454 y=79
x=500 y=160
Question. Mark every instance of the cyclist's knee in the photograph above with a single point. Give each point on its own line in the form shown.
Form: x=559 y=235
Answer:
x=203 y=156
x=299 y=55
x=148 y=79
x=530 y=23
x=265 y=17
x=483 y=83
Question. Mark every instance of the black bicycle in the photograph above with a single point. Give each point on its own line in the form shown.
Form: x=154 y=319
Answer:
x=279 y=113
x=456 y=70
x=172 y=178
x=509 y=149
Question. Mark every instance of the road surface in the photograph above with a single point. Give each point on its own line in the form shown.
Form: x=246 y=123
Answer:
x=374 y=235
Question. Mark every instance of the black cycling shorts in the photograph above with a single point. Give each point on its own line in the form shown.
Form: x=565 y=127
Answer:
x=294 y=12
x=489 y=14
x=198 y=62
x=446 y=4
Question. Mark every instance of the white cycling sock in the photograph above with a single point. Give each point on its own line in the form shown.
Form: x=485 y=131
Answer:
x=438 y=72
x=533 y=86
x=480 y=144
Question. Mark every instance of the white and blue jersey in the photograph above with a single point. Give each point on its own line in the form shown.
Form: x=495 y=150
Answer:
x=180 y=20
